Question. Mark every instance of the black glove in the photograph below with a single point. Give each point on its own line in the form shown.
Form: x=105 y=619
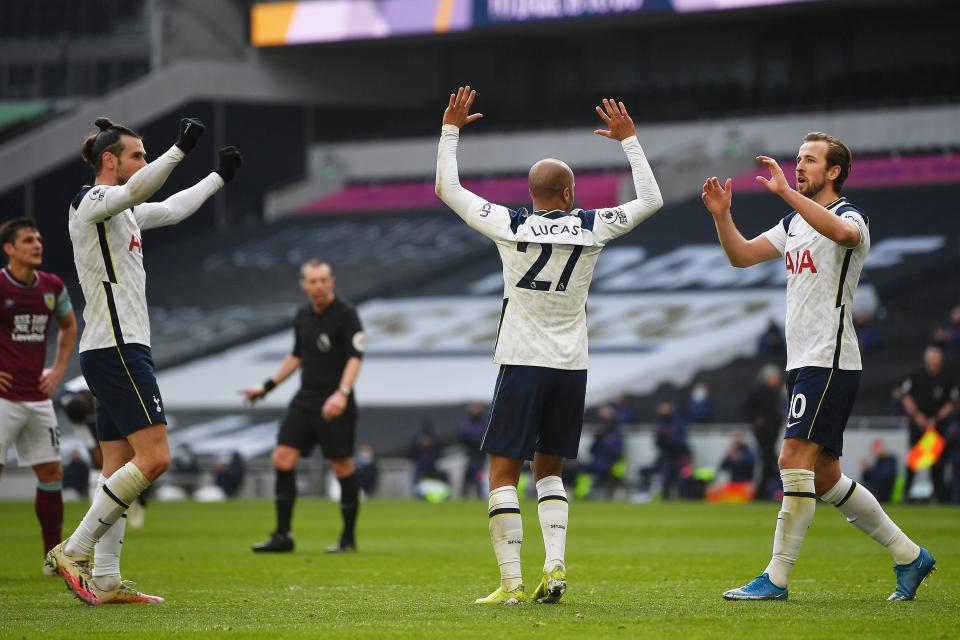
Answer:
x=230 y=161
x=190 y=131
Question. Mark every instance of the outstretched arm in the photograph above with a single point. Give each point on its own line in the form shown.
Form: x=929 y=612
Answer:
x=740 y=251
x=455 y=117
x=286 y=369
x=105 y=201
x=490 y=219
x=649 y=200
x=183 y=204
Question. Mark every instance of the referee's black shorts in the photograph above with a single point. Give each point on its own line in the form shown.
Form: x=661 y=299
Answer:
x=303 y=427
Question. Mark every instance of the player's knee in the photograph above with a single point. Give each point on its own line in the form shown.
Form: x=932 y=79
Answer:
x=156 y=466
x=284 y=460
x=821 y=486
x=783 y=462
x=50 y=473
x=342 y=467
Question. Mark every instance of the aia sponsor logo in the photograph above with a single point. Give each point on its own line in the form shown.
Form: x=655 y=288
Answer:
x=797 y=261
x=135 y=244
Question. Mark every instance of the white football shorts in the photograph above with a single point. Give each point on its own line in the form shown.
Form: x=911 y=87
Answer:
x=32 y=428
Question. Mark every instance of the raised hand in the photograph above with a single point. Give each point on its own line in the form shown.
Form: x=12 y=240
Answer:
x=778 y=182
x=457 y=112
x=716 y=197
x=614 y=115
x=190 y=131
x=230 y=161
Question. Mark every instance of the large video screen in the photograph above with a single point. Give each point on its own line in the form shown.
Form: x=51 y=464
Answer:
x=318 y=21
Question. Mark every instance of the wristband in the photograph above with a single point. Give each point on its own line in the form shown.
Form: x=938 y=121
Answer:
x=269 y=385
x=345 y=390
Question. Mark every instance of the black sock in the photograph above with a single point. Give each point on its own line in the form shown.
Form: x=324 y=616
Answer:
x=286 y=494
x=349 y=505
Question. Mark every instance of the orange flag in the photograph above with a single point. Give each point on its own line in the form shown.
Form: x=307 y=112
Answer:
x=927 y=451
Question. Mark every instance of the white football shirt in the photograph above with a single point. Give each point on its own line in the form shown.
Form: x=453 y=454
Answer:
x=105 y=228
x=822 y=277
x=548 y=259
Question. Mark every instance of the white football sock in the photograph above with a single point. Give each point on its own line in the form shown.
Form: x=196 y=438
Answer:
x=553 y=510
x=796 y=514
x=506 y=534
x=106 y=553
x=864 y=512
x=111 y=501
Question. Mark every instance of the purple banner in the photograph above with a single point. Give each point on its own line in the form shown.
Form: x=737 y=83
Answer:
x=599 y=189
x=875 y=172
x=593 y=189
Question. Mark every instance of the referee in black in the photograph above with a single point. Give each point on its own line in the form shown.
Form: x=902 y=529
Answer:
x=328 y=346
x=929 y=399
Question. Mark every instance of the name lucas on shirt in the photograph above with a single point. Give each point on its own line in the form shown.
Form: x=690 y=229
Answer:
x=553 y=229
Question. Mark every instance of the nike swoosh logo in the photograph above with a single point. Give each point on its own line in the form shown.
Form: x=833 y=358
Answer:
x=103 y=523
x=791 y=234
x=790 y=424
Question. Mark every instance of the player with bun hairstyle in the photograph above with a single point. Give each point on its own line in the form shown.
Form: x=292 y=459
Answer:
x=106 y=223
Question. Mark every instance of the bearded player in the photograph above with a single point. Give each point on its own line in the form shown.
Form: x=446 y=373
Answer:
x=824 y=242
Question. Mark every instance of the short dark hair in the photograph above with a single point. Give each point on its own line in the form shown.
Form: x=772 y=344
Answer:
x=108 y=138
x=838 y=154
x=314 y=262
x=10 y=229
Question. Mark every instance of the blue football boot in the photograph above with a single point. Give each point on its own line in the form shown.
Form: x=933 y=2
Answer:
x=760 y=588
x=909 y=576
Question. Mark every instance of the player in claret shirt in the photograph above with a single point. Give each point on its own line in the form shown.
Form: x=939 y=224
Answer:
x=824 y=243
x=548 y=260
x=29 y=298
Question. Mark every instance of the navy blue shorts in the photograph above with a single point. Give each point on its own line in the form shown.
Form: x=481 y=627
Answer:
x=820 y=403
x=128 y=398
x=536 y=409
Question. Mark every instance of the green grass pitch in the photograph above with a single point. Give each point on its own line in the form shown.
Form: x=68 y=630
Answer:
x=635 y=571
